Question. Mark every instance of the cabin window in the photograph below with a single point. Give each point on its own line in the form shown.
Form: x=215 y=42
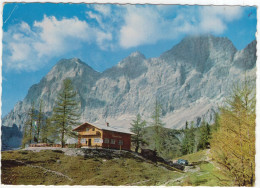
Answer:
x=97 y=140
x=120 y=142
x=113 y=141
x=87 y=129
x=106 y=140
x=83 y=140
x=93 y=129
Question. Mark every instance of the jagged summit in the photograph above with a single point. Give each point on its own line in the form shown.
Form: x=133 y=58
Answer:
x=132 y=67
x=245 y=58
x=200 y=51
x=137 y=54
x=72 y=62
x=190 y=81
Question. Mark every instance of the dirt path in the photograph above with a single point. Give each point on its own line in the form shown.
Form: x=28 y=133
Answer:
x=45 y=169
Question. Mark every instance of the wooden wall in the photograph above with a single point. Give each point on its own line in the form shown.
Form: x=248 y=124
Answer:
x=116 y=136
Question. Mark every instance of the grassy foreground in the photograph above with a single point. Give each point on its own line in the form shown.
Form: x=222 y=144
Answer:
x=49 y=167
x=203 y=173
x=54 y=168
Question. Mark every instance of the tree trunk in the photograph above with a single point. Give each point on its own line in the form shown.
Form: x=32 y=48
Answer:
x=137 y=148
x=62 y=139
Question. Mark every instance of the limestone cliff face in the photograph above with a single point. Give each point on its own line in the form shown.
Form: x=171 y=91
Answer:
x=189 y=81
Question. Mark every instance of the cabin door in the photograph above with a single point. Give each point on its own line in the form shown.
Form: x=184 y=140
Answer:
x=89 y=142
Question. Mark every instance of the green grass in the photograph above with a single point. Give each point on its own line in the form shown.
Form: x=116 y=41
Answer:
x=207 y=174
x=195 y=157
x=82 y=171
x=100 y=171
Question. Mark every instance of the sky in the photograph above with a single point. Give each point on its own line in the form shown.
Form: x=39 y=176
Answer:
x=37 y=35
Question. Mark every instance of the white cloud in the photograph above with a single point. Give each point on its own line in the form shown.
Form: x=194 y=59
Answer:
x=215 y=18
x=149 y=24
x=56 y=35
x=28 y=48
x=105 y=10
x=97 y=17
x=140 y=27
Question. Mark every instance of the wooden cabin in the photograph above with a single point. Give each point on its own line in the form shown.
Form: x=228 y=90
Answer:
x=103 y=136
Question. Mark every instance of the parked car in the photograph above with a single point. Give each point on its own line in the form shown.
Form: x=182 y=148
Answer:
x=182 y=162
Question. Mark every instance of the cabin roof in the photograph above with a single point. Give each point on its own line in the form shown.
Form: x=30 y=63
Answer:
x=105 y=127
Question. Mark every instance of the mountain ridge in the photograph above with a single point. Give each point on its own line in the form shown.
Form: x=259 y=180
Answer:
x=117 y=94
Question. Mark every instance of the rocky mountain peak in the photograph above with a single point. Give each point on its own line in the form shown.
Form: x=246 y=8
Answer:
x=190 y=81
x=200 y=51
x=137 y=54
x=71 y=63
x=245 y=58
x=132 y=66
x=70 y=68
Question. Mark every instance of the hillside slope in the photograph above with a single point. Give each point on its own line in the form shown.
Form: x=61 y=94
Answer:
x=54 y=168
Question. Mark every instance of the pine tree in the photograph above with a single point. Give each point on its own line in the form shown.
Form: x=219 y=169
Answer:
x=40 y=121
x=157 y=124
x=29 y=129
x=66 y=111
x=191 y=138
x=48 y=132
x=205 y=135
x=185 y=141
x=188 y=142
x=233 y=145
x=138 y=126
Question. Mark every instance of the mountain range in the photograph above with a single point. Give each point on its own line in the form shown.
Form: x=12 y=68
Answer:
x=190 y=81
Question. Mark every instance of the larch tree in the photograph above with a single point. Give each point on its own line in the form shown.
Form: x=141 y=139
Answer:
x=47 y=131
x=29 y=129
x=233 y=144
x=40 y=121
x=138 y=126
x=157 y=124
x=66 y=111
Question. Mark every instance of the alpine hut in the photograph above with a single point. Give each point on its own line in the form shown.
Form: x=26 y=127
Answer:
x=103 y=136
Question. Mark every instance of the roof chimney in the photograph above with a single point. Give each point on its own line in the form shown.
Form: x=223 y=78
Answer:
x=107 y=124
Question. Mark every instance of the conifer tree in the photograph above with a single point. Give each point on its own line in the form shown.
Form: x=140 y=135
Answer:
x=138 y=126
x=233 y=145
x=48 y=131
x=185 y=141
x=188 y=142
x=40 y=121
x=157 y=124
x=216 y=125
x=66 y=111
x=191 y=138
x=205 y=135
x=29 y=129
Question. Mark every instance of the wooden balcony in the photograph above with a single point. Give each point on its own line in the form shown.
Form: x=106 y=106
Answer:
x=88 y=133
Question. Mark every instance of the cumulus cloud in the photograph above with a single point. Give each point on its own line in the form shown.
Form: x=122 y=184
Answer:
x=214 y=19
x=30 y=47
x=146 y=25
x=141 y=27
x=105 y=10
x=110 y=26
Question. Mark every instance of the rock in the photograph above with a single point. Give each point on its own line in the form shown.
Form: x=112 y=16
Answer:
x=189 y=81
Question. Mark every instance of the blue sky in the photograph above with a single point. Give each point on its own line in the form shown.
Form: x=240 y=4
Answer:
x=37 y=35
